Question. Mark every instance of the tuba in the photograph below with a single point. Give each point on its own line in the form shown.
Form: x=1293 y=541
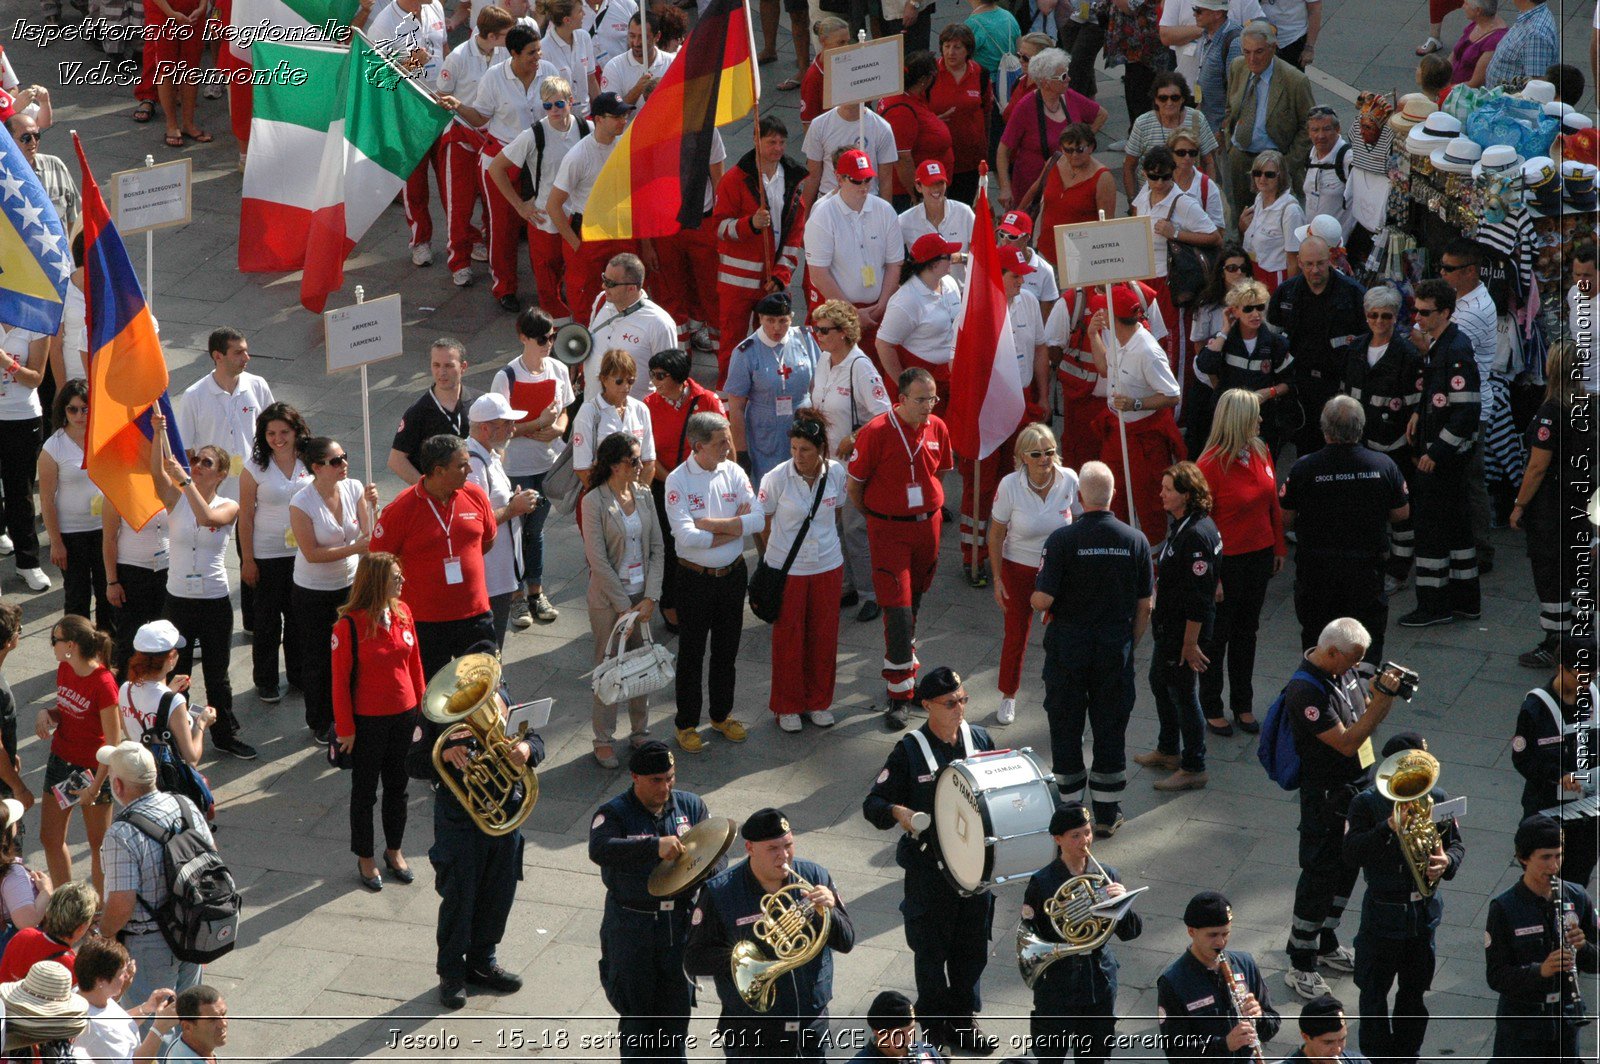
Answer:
x=1068 y=910
x=785 y=928
x=1405 y=778
x=464 y=696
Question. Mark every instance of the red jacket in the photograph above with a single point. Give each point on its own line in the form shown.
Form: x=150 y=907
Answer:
x=410 y=528
x=30 y=946
x=1244 y=504
x=741 y=251
x=388 y=665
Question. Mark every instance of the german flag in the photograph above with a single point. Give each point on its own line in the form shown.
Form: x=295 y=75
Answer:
x=654 y=183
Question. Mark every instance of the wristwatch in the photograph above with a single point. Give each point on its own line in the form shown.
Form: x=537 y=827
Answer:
x=1138 y=404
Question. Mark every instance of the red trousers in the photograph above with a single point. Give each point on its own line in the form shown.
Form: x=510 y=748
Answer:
x=462 y=189
x=545 y=255
x=685 y=284
x=1154 y=443
x=1271 y=278
x=1173 y=342
x=904 y=556
x=805 y=643
x=1438 y=9
x=414 y=197
x=584 y=268
x=1080 y=429
x=736 y=311
x=974 y=519
x=1018 y=581
x=505 y=224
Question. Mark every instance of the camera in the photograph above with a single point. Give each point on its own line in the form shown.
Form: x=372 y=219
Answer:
x=1405 y=686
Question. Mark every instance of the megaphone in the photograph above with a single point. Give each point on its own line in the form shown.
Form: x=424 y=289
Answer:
x=572 y=344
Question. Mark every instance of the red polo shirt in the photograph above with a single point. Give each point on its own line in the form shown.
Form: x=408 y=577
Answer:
x=884 y=462
x=916 y=130
x=667 y=421
x=413 y=529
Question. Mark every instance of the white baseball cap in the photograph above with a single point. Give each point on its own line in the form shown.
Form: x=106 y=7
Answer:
x=157 y=637
x=492 y=406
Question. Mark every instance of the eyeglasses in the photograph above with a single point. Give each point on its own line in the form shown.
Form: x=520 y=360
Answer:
x=1253 y=308
x=954 y=700
x=1168 y=97
x=1233 y=267
x=1269 y=174
x=659 y=374
x=1380 y=315
x=1048 y=452
x=859 y=180
x=1445 y=268
x=922 y=400
x=1165 y=175
x=606 y=282
x=552 y=105
x=336 y=460
x=30 y=138
x=1186 y=153
x=77 y=408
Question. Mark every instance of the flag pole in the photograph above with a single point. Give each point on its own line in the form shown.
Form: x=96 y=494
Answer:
x=1114 y=363
x=366 y=412
x=150 y=256
x=977 y=507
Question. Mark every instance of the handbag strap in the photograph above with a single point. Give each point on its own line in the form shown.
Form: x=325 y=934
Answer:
x=683 y=433
x=794 y=548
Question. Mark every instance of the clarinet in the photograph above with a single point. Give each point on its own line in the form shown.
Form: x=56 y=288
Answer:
x=1237 y=1000
x=1572 y=1006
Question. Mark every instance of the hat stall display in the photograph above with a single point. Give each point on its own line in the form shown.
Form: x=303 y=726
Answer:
x=1414 y=108
x=1582 y=147
x=1541 y=183
x=1498 y=159
x=1437 y=130
x=1578 y=185
x=1457 y=157
x=1539 y=91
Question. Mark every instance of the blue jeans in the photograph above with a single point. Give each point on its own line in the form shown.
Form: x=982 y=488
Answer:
x=1177 y=691
x=533 y=530
x=158 y=968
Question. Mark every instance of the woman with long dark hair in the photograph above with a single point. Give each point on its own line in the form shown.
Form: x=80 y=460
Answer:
x=271 y=478
x=71 y=504
x=84 y=718
x=1209 y=317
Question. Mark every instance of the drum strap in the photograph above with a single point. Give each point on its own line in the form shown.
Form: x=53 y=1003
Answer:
x=927 y=751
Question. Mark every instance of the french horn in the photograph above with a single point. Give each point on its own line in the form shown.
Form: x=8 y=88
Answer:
x=1068 y=911
x=786 y=928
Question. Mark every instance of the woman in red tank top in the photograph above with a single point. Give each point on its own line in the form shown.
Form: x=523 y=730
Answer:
x=1077 y=189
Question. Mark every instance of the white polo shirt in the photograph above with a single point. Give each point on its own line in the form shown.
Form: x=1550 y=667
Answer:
x=1271 y=234
x=579 y=169
x=598 y=419
x=573 y=62
x=1141 y=372
x=831 y=131
x=849 y=395
x=523 y=152
x=606 y=23
x=854 y=247
x=923 y=319
x=465 y=66
x=501 y=563
x=511 y=106
x=787 y=497
x=1184 y=212
x=955 y=229
x=642 y=329
x=1042 y=281
x=622 y=72
x=207 y=414
x=393 y=30
x=1029 y=520
x=694 y=493
x=1027 y=332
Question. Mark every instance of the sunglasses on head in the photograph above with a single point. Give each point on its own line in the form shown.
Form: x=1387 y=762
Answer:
x=1253 y=308
x=1264 y=173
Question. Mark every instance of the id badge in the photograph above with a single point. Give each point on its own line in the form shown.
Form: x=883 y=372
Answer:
x=193 y=585
x=97 y=505
x=914 y=496
x=785 y=405
x=289 y=540
x=1365 y=755
x=236 y=464
x=869 y=279
x=452 y=571
x=635 y=573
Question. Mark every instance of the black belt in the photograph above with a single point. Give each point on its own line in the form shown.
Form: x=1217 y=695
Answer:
x=666 y=906
x=696 y=567
x=901 y=517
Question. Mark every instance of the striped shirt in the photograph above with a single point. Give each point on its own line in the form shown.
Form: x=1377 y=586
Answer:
x=1475 y=317
x=133 y=861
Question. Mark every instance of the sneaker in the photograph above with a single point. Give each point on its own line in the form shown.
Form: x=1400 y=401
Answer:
x=701 y=338
x=789 y=722
x=542 y=611
x=1008 y=711
x=1156 y=759
x=495 y=978
x=521 y=616
x=1466 y=615
x=897 y=715
x=730 y=730
x=421 y=255
x=1540 y=657
x=1419 y=618
x=510 y=304
x=462 y=277
x=480 y=253
x=269 y=695
x=1105 y=829
x=870 y=611
x=1339 y=958
x=1183 y=780
x=1308 y=985
x=233 y=747
x=690 y=740
x=452 y=994
x=822 y=718
x=36 y=579
x=848 y=599
x=7 y=548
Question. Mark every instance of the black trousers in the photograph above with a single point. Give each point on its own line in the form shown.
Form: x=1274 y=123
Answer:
x=1070 y=1033
x=1082 y=41
x=277 y=623
x=19 y=463
x=1312 y=394
x=1232 y=645
x=1403 y=534
x=476 y=876
x=1290 y=53
x=1380 y=962
x=211 y=619
x=1518 y=1041
x=1325 y=880
x=247 y=594
x=711 y=610
x=145 y=592
x=379 y=756
x=1138 y=88
x=317 y=610
x=1447 y=556
x=949 y=940
x=85 y=577
x=1176 y=688
x=641 y=971
x=1326 y=589
x=441 y=642
x=1088 y=678
x=669 y=574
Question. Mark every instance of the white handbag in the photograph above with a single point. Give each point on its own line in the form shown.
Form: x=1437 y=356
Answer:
x=625 y=674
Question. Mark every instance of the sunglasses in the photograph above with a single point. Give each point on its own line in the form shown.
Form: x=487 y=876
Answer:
x=77 y=408
x=1048 y=452
x=1168 y=97
x=825 y=329
x=1379 y=315
x=205 y=463
x=1445 y=268
x=1233 y=267
x=1076 y=149
x=553 y=105
x=659 y=374
x=1186 y=153
x=623 y=380
x=30 y=138
x=859 y=180
x=1264 y=173
x=336 y=461
x=634 y=460
x=1253 y=308
x=1165 y=175
x=955 y=700
x=1427 y=312
x=606 y=282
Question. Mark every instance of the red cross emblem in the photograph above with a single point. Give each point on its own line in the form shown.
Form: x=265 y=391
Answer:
x=785 y=370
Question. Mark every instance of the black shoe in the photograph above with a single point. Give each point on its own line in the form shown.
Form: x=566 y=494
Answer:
x=975 y=1040
x=1485 y=567
x=496 y=978
x=326 y=735
x=1224 y=729
x=870 y=611
x=1466 y=615
x=1542 y=656
x=401 y=875
x=232 y=746
x=1249 y=727
x=897 y=716
x=1419 y=618
x=511 y=304
x=373 y=882
x=452 y=994
x=1104 y=829
x=848 y=599
x=269 y=694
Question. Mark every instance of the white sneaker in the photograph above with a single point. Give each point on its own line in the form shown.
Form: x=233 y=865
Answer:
x=1308 y=985
x=822 y=718
x=480 y=253
x=422 y=255
x=789 y=722
x=35 y=579
x=1008 y=711
x=7 y=548
x=462 y=277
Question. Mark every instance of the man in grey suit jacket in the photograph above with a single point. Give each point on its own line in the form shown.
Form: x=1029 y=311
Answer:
x=1268 y=101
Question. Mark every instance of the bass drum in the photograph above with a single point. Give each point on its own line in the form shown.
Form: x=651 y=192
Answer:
x=991 y=815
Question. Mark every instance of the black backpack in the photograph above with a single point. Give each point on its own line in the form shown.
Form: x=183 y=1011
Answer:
x=526 y=180
x=174 y=775
x=200 y=918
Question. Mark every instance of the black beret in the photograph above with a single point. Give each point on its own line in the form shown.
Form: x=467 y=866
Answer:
x=774 y=304
x=765 y=824
x=1537 y=832
x=1321 y=1015
x=1577 y=652
x=1207 y=909
x=650 y=759
x=936 y=684
x=1408 y=740
x=890 y=1011
x=1069 y=816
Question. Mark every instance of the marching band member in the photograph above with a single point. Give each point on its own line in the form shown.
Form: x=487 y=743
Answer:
x=625 y=318
x=1550 y=732
x=1075 y=998
x=1396 y=937
x=642 y=936
x=726 y=913
x=569 y=195
x=939 y=215
x=948 y=933
x=769 y=378
x=463 y=68
x=1203 y=1014
x=1324 y=1033
x=1531 y=953
x=894 y=1032
x=761 y=224
x=416 y=28
x=854 y=248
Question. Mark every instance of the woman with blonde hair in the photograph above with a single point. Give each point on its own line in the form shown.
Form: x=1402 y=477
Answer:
x=1266 y=227
x=1250 y=354
x=1030 y=503
x=613 y=408
x=377 y=686
x=1188 y=177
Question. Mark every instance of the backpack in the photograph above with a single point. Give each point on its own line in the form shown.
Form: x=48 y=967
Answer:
x=528 y=179
x=200 y=918
x=1276 y=750
x=174 y=775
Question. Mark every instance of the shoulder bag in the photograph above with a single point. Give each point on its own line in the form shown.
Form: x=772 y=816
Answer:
x=1188 y=266
x=766 y=583
x=631 y=673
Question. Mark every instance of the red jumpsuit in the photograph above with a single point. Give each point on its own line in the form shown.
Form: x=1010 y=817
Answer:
x=742 y=253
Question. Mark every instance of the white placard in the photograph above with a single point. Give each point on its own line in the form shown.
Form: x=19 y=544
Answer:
x=152 y=197
x=865 y=71
x=362 y=334
x=1098 y=253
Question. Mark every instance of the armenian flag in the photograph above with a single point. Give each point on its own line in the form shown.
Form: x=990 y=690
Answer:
x=654 y=183
x=127 y=371
x=35 y=257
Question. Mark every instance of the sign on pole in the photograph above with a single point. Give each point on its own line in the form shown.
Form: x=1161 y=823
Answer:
x=1098 y=253
x=365 y=333
x=152 y=197
x=865 y=71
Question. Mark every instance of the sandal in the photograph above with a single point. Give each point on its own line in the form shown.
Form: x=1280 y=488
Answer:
x=174 y=140
x=790 y=85
x=766 y=57
x=145 y=111
x=199 y=136
x=1429 y=46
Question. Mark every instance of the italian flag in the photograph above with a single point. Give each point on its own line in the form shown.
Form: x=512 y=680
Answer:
x=326 y=158
x=284 y=19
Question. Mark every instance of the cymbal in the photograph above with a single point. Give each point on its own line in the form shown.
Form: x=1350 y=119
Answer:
x=703 y=846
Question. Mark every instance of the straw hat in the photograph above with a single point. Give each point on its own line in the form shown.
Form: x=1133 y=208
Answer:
x=1414 y=107
x=41 y=1007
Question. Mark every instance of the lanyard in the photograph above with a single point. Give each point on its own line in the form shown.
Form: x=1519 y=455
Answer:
x=780 y=355
x=618 y=315
x=444 y=522
x=911 y=456
x=1166 y=548
x=459 y=426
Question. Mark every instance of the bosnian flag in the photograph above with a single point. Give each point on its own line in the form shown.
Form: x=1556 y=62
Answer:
x=986 y=401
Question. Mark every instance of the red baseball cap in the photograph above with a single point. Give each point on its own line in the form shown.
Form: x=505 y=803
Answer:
x=1015 y=260
x=932 y=172
x=1017 y=223
x=854 y=163
x=930 y=246
x=1125 y=300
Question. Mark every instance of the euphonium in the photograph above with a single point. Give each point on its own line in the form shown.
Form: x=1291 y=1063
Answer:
x=1068 y=910
x=464 y=695
x=1405 y=778
x=785 y=928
